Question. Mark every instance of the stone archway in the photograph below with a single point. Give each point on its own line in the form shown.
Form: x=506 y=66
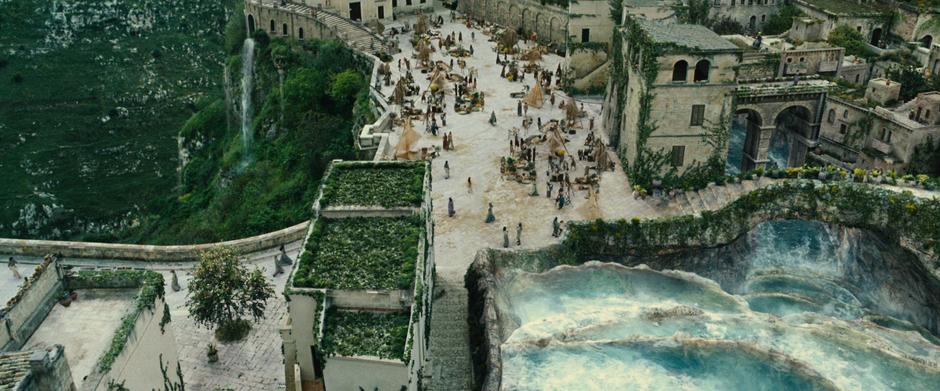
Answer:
x=525 y=23
x=251 y=24
x=501 y=11
x=793 y=126
x=553 y=26
x=744 y=147
x=514 y=16
x=876 y=36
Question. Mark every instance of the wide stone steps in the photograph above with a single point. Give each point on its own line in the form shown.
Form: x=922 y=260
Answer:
x=450 y=352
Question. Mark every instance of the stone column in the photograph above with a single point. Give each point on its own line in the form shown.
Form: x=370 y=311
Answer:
x=763 y=147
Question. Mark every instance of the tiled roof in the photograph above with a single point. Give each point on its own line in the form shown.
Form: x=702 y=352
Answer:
x=14 y=368
x=688 y=35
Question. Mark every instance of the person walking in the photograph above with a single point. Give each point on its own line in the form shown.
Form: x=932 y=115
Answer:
x=525 y=108
x=548 y=193
x=447 y=170
x=519 y=234
x=278 y=269
x=469 y=185
x=11 y=264
x=450 y=141
x=555 y=227
x=505 y=237
x=450 y=207
x=490 y=217
x=493 y=118
x=174 y=281
x=519 y=108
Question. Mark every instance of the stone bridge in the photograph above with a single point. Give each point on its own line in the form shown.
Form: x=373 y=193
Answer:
x=792 y=108
x=550 y=22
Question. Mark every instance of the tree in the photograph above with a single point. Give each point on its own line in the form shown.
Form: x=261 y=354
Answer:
x=222 y=292
x=926 y=158
x=854 y=43
x=693 y=11
x=781 y=21
x=726 y=25
x=345 y=87
x=912 y=81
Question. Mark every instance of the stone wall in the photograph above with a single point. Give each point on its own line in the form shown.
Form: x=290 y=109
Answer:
x=136 y=252
x=138 y=366
x=31 y=306
x=548 y=21
x=345 y=373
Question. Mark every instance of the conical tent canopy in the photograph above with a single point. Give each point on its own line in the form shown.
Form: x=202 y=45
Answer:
x=535 y=97
x=407 y=144
x=533 y=55
x=556 y=142
x=571 y=109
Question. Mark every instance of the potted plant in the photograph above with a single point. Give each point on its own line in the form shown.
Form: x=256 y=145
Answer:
x=212 y=353
x=65 y=300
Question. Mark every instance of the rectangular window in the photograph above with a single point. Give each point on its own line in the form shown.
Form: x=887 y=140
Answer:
x=843 y=129
x=678 y=155
x=394 y=3
x=698 y=115
x=407 y=2
x=585 y=35
x=381 y=12
x=424 y=1
x=888 y=139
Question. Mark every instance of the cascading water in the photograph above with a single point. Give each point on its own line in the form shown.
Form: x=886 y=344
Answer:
x=794 y=310
x=248 y=78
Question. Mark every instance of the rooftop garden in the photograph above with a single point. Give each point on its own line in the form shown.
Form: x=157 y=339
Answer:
x=378 y=334
x=360 y=253
x=386 y=184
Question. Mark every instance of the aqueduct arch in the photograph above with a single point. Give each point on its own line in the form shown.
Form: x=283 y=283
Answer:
x=770 y=112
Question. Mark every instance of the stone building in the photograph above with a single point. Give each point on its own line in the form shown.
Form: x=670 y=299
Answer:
x=752 y=14
x=866 y=17
x=669 y=103
x=340 y=331
x=554 y=21
x=863 y=133
x=36 y=370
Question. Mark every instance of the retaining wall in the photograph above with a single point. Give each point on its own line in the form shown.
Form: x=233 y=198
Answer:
x=137 y=252
x=30 y=307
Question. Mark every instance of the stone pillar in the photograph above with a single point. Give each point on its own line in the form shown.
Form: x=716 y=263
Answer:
x=289 y=348
x=763 y=148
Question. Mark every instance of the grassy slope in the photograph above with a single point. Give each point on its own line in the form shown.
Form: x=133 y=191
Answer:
x=91 y=129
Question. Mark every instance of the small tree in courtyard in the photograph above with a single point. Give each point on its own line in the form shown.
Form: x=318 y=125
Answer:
x=222 y=292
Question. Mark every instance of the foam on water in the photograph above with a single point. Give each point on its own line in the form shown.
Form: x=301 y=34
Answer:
x=792 y=324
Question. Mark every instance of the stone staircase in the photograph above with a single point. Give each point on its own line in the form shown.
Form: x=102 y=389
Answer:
x=712 y=197
x=450 y=345
x=353 y=33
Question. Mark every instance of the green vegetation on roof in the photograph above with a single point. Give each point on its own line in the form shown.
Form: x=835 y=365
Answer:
x=361 y=253
x=379 y=334
x=385 y=184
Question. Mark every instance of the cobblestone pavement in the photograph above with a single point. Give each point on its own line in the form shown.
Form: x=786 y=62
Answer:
x=254 y=363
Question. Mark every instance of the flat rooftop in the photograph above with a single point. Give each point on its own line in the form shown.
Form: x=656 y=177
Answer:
x=382 y=184
x=85 y=328
x=688 y=35
x=361 y=253
x=848 y=7
x=365 y=333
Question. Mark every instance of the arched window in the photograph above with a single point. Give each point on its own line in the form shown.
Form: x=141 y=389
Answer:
x=763 y=18
x=273 y=29
x=927 y=114
x=926 y=41
x=702 y=68
x=300 y=33
x=284 y=29
x=845 y=114
x=832 y=115
x=251 y=23
x=857 y=77
x=752 y=22
x=680 y=71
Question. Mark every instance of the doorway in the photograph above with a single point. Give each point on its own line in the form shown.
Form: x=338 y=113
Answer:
x=355 y=11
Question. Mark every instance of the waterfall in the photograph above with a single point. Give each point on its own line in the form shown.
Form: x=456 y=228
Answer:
x=248 y=75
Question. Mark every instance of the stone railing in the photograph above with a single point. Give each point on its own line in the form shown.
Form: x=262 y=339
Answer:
x=137 y=252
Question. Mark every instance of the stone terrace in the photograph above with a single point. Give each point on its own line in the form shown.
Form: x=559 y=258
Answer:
x=85 y=328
